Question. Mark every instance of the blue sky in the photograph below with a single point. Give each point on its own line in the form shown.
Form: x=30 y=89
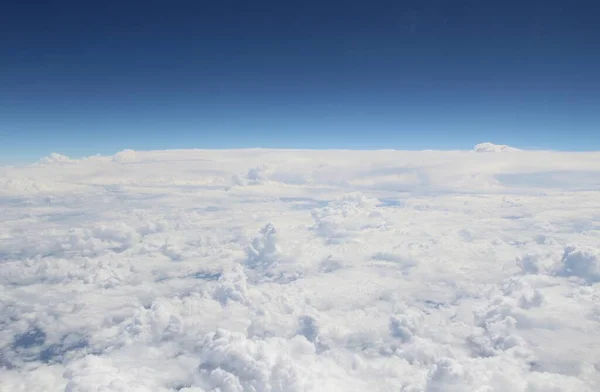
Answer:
x=82 y=78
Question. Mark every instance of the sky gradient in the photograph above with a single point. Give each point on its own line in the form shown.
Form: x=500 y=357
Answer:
x=82 y=78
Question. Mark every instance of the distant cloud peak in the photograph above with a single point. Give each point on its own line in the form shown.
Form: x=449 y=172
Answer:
x=55 y=158
x=491 y=147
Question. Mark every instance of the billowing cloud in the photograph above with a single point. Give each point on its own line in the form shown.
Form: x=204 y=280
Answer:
x=269 y=270
x=491 y=147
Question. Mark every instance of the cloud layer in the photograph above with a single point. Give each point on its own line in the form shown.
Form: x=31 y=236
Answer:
x=267 y=270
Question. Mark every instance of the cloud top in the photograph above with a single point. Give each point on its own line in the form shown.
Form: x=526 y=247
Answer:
x=491 y=147
x=272 y=270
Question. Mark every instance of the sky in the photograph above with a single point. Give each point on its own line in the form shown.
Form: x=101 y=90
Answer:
x=84 y=78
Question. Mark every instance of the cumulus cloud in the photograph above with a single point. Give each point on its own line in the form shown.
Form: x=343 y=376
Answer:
x=232 y=286
x=55 y=158
x=125 y=156
x=405 y=325
x=346 y=216
x=578 y=261
x=266 y=270
x=491 y=147
x=582 y=262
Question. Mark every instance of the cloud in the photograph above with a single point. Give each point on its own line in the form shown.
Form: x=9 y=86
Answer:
x=270 y=270
x=125 y=156
x=263 y=251
x=491 y=147
x=55 y=158
x=232 y=286
x=582 y=262
x=346 y=216
x=404 y=326
x=577 y=261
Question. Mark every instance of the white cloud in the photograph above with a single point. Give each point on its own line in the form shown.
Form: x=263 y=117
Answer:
x=583 y=262
x=55 y=158
x=125 y=156
x=491 y=147
x=267 y=270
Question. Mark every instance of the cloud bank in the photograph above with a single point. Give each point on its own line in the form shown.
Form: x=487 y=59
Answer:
x=269 y=270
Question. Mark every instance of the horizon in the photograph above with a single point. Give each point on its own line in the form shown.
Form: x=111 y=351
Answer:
x=57 y=157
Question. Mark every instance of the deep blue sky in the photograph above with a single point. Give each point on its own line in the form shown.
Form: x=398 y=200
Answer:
x=84 y=77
